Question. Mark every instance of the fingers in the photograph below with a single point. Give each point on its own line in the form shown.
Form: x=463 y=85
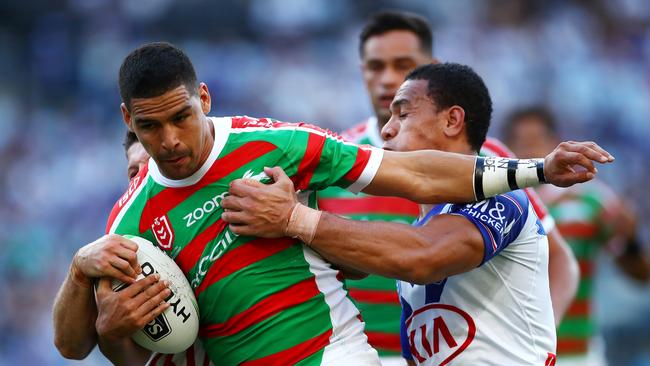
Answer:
x=232 y=203
x=149 y=299
x=240 y=188
x=244 y=230
x=277 y=174
x=589 y=149
x=141 y=284
x=576 y=177
x=579 y=158
x=234 y=217
x=152 y=314
x=128 y=244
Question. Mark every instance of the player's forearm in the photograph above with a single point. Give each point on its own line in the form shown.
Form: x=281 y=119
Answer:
x=388 y=249
x=564 y=275
x=429 y=176
x=433 y=177
x=74 y=315
x=123 y=351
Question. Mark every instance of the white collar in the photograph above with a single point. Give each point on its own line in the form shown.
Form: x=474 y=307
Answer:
x=222 y=127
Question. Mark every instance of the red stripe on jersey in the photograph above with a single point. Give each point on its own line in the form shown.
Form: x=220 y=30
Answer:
x=572 y=345
x=586 y=268
x=497 y=148
x=579 y=308
x=294 y=354
x=133 y=185
x=363 y=155
x=264 y=309
x=155 y=359
x=309 y=162
x=191 y=253
x=369 y=204
x=169 y=198
x=243 y=256
x=189 y=356
x=374 y=296
x=577 y=230
x=356 y=132
x=168 y=360
x=385 y=341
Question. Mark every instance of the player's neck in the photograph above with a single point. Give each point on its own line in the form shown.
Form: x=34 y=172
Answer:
x=208 y=142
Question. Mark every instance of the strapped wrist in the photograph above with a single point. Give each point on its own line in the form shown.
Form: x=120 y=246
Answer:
x=303 y=223
x=494 y=175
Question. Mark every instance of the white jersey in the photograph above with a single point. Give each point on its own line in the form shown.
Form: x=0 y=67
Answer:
x=496 y=314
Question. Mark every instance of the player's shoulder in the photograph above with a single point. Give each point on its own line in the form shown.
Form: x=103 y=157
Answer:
x=241 y=124
x=356 y=132
x=133 y=191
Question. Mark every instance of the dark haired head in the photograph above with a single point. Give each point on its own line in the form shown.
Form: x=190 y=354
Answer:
x=153 y=69
x=387 y=21
x=452 y=84
x=129 y=139
x=536 y=112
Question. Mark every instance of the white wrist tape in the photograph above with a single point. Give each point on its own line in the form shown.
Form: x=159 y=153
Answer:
x=303 y=223
x=493 y=175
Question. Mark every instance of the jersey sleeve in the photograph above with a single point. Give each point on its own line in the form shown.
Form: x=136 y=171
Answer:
x=322 y=159
x=500 y=220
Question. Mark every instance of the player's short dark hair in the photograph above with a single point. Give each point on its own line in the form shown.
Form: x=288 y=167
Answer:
x=129 y=139
x=454 y=84
x=537 y=112
x=153 y=69
x=387 y=21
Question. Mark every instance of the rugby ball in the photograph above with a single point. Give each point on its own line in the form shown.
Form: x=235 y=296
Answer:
x=176 y=329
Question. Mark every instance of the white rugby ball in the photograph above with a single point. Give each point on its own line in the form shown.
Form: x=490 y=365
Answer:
x=176 y=329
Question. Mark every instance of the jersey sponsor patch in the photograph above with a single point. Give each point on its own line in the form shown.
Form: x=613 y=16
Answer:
x=439 y=330
x=163 y=232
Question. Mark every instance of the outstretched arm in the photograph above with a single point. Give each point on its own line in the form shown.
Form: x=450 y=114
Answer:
x=429 y=176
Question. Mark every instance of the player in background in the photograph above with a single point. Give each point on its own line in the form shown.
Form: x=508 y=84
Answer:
x=591 y=217
x=474 y=287
x=391 y=45
x=83 y=319
x=242 y=283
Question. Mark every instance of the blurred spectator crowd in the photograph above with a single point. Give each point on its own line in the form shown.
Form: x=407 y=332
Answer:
x=61 y=161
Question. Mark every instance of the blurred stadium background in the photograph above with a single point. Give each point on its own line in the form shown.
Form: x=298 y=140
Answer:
x=62 y=165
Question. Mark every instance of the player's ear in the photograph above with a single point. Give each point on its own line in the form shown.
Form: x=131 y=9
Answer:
x=126 y=116
x=455 y=121
x=206 y=99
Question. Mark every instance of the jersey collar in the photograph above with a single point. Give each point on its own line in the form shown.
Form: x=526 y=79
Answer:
x=222 y=127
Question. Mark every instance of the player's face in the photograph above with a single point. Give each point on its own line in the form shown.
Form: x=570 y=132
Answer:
x=136 y=158
x=415 y=123
x=387 y=59
x=530 y=138
x=173 y=129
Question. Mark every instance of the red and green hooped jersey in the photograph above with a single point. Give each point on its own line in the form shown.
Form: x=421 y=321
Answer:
x=375 y=296
x=585 y=214
x=261 y=301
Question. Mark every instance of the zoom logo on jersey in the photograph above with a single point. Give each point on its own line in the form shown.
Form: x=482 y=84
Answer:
x=439 y=332
x=207 y=207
